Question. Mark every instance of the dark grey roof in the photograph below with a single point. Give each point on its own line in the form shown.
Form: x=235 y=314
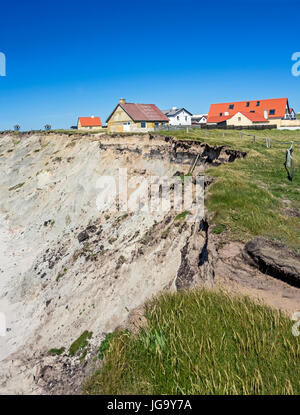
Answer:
x=198 y=116
x=172 y=112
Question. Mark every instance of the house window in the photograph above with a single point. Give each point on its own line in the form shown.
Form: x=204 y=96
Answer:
x=272 y=112
x=156 y=124
x=185 y=118
x=177 y=117
x=247 y=104
x=239 y=119
x=231 y=106
x=221 y=113
x=257 y=103
x=143 y=124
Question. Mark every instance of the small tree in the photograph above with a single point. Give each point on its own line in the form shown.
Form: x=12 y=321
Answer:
x=47 y=127
x=17 y=127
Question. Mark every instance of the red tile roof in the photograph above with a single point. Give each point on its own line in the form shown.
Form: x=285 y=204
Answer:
x=217 y=118
x=252 y=116
x=143 y=112
x=90 y=121
x=278 y=104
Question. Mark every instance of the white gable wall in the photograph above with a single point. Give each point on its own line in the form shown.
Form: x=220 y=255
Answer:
x=181 y=118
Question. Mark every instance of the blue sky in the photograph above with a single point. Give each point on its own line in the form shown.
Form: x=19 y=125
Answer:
x=76 y=58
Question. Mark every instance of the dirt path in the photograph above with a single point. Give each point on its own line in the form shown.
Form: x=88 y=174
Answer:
x=234 y=274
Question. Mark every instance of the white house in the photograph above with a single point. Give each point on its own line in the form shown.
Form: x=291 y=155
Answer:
x=291 y=115
x=199 y=119
x=178 y=116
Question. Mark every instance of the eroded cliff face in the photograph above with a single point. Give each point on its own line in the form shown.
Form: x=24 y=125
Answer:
x=67 y=266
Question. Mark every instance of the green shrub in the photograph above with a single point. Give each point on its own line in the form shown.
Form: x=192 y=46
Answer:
x=80 y=344
x=105 y=345
x=56 y=352
x=17 y=186
x=182 y=215
x=166 y=232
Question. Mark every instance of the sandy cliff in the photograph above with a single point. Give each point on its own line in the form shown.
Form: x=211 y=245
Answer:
x=67 y=266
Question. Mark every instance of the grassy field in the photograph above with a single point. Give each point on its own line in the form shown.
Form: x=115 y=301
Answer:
x=250 y=196
x=202 y=342
x=58 y=131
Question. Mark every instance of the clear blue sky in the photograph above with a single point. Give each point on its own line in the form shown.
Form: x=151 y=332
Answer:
x=76 y=58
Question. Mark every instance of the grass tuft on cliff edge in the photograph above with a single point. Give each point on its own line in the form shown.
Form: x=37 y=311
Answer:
x=203 y=342
x=253 y=196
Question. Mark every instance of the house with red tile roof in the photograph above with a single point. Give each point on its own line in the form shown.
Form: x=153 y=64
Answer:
x=130 y=117
x=89 y=123
x=247 y=118
x=245 y=113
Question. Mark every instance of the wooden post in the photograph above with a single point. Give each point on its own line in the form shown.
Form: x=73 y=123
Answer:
x=192 y=168
x=241 y=134
x=268 y=143
x=254 y=139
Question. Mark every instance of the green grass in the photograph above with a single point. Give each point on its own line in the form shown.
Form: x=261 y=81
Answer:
x=79 y=345
x=76 y=132
x=16 y=187
x=247 y=196
x=105 y=345
x=165 y=233
x=61 y=274
x=219 y=228
x=202 y=342
x=182 y=215
x=185 y=177
x=56 y=352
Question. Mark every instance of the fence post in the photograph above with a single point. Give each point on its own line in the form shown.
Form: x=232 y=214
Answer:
x=241 y=134
x=254 y=139
x=268 y=142
x=187 y=129
x=223 y=135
